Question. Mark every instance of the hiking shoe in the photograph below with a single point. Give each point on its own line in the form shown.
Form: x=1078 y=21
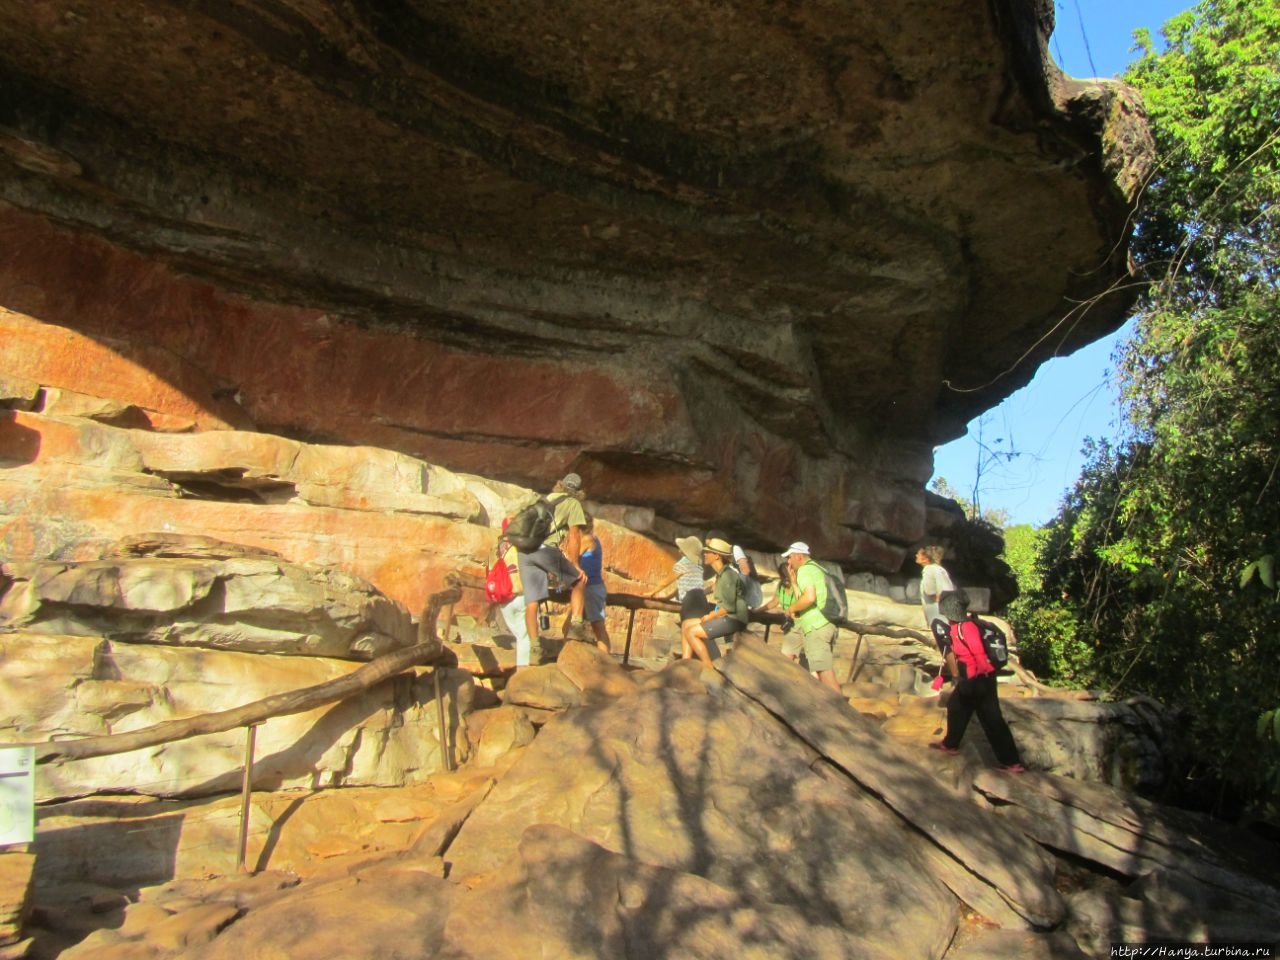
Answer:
x=1011 y=768
x=943 y=748
x=577 y=630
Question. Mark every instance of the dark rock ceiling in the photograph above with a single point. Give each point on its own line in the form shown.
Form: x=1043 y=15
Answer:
x=838 y=221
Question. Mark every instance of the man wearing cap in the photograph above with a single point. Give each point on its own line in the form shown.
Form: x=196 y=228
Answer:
x=818 y=632
x=558 y=556
x=730 y=614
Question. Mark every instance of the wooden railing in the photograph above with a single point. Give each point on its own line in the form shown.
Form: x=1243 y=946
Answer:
x=429 y=650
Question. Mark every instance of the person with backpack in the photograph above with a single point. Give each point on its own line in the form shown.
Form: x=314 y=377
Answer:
x=750 y=579
x=809 y=610
x=969 y=661
x=730 y=613
x=555 y=533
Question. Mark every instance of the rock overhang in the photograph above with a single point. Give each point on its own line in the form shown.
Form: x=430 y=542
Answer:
x=746 y=263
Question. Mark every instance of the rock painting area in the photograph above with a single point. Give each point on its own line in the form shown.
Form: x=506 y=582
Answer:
x=741 y=265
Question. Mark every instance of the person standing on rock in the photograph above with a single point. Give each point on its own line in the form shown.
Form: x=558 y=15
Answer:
x=934 y=580
x=783 y=596
x=513 y=611
x=592 y=563
x=976 y=689
x=810 y=595
x=730 y=613
x=558 y=557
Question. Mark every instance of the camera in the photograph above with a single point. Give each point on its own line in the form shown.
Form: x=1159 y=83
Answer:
x=544 y=621
x=787 y=624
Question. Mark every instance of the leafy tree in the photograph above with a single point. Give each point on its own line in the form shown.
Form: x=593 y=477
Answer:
x=1159 y=557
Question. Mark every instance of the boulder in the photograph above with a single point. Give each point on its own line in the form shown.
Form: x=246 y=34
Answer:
x=74 y=488
x=16 y=868
x=708 y=783
x=219 y=597
x=1133 y=744
x=564 y=896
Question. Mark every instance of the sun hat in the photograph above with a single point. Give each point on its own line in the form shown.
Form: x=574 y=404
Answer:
x=798 y=547
x=716 y=545
x=691 y=547
x=571 y=482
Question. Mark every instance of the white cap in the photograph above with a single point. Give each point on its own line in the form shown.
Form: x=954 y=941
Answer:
x=738 y=553
x=797 y=547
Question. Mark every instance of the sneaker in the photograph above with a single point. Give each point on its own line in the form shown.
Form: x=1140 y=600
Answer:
x=1011 y=768
x=943 y=748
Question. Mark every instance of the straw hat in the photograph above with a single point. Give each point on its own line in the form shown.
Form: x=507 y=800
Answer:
x=716 y=545
x=691 y=547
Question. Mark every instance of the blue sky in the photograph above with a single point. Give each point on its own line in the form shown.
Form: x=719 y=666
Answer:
x=1070 y=398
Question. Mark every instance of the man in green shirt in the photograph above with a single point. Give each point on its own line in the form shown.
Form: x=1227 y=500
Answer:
x=818 y=632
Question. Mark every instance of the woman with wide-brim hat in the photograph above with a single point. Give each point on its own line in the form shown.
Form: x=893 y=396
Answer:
x=730 y=613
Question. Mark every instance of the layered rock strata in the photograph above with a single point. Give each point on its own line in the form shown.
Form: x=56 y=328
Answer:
x=742 y=264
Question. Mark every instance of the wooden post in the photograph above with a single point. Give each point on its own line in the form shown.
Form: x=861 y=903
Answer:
x=626 y=652
x=853 y=664
x=445 y=757
x=246 y=793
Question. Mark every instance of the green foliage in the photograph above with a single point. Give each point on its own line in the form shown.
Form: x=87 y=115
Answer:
x=1157 y=576
x=1021 y=549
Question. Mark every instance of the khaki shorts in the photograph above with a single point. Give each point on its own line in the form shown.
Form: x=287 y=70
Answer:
x=819 y=645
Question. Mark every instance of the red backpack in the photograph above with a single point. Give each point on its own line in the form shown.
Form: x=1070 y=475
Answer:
x=497 y=583
x=970 y=651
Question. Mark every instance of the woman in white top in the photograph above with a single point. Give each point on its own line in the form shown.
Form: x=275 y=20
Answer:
x=934 y=580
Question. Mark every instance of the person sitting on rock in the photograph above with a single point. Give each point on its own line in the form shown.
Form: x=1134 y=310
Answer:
x=591 y=560
x=689 y=577
x=976 y=690
x=818 y=633
x=730 y=613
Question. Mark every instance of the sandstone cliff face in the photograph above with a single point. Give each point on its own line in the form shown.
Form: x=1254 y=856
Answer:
x=742 y=263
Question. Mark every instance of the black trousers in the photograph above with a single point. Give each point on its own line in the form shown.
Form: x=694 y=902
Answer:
x=980 y=695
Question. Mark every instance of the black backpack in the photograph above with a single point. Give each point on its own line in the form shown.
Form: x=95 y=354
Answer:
x=531 y=525
x=836 y=607
x=994 y=642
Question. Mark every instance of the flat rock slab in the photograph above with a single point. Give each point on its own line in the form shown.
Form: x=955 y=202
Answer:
x=691 y=776
x=990 y=866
